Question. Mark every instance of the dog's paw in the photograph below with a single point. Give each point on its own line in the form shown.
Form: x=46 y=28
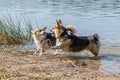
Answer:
x=55 y=53
x=56 y=47
x=35 y=53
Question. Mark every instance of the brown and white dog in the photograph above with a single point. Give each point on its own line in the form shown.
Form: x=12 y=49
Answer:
x=43 y=40
x=72 y=43
x=67 y=30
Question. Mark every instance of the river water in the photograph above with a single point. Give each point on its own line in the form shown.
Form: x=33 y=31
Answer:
x=88 y=16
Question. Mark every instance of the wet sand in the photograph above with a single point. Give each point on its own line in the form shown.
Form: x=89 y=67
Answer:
x=23 y=65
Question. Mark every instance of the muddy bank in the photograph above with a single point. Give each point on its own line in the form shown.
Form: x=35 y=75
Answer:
x=23 y=65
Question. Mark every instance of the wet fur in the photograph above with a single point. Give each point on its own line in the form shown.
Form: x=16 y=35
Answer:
x=73 y=43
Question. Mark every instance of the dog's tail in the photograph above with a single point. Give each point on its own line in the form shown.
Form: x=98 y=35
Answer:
x=94 y=44
x=71 y=28
x=96 y=37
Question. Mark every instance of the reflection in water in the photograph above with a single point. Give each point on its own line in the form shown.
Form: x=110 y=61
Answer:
x=94 y=64
x=105 y=64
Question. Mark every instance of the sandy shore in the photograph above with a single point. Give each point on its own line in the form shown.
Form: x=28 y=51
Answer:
x=23 y=65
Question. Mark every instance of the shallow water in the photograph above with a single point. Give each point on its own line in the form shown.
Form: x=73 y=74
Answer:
x=88 y=16
x=110 y=63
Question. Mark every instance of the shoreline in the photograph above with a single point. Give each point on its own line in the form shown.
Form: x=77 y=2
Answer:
x=18 y=64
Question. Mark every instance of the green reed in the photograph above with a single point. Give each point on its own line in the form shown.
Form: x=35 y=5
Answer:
x=13 y=31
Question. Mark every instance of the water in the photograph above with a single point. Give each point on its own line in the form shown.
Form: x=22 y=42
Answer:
x=88 y=16
x=110 y=63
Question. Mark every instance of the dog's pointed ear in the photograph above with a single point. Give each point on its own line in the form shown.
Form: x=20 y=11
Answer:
x=58 y=26
x=37 y=29
x=44 y=28
x=57 y=21
x=60 y=21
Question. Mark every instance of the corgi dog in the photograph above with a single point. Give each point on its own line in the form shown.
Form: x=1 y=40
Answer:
x=43 y=40
x=72 y=43
x=67 y=30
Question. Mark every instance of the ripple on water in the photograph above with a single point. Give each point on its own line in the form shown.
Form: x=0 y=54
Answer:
x=110 y=63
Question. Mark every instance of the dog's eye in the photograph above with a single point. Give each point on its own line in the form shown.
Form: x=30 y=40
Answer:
x=52 y=30
x=40 y=30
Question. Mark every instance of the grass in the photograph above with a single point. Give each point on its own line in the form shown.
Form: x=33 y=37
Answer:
x=12 y=32
x=2 y=73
